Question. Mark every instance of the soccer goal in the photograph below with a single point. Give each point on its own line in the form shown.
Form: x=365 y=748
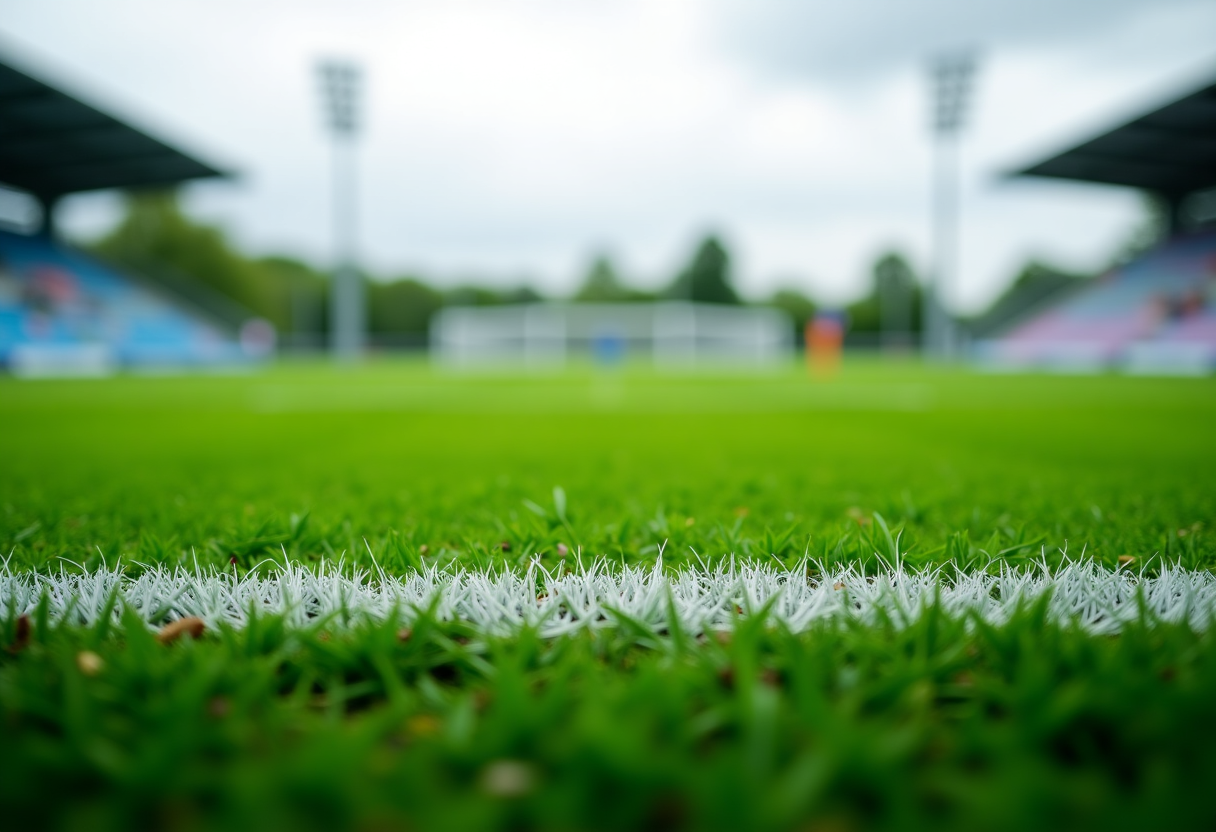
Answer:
x=548 y=335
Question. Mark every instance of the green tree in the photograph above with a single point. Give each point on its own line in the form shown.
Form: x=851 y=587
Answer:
x=157 y=240
x=892 y=306
x=899 y=294
x=520 y=294
x=474 y=295
x=402 y=307
x=798 y=306
x=707 y=278
x=602 y=283
x=307 y=291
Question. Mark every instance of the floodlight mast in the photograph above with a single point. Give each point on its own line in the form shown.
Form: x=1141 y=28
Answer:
x=952 y=85
x=348 y=305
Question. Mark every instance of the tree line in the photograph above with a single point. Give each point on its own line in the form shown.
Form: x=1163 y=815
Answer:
x=158 y=240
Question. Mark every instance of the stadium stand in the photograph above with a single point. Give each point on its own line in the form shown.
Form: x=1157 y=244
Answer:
x=61 y=311
x=1157 y=313
x=1154 y=314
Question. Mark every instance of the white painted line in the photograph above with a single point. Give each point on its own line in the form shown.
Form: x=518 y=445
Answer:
x=1081 y=593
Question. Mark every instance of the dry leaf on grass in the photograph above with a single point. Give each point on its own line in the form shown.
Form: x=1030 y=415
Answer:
x=192 y=626
x=508 y=778
x=21 y=634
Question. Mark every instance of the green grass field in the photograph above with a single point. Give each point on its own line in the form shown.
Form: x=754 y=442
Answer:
x=151 y=468
x=944 y=722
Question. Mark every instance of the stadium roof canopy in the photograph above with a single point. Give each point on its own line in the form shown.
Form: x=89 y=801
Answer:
x=52 y=144
x=1171 y=150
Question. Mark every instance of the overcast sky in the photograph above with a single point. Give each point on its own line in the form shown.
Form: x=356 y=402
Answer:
x=511 y=141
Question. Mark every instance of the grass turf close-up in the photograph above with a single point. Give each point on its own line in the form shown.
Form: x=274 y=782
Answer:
x=905 y=597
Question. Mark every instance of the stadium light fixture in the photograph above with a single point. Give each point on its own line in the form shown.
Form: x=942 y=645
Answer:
x=951 y=76
x=340 y=82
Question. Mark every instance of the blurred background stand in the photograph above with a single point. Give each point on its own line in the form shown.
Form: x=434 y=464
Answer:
x=64 y=311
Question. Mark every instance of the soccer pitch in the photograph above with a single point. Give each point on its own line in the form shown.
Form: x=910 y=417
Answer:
x=903 y=597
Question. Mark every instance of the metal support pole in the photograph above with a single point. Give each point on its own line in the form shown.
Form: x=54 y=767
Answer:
x=945 y=245
x=952 y=79
x=47 y=205
x=348 y=312
x=1175 y=219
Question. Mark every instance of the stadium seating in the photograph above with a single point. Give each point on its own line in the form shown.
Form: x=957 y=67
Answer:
x=1156 y=313
x=62 y=311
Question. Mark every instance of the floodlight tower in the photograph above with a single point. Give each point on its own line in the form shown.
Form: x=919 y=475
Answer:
x=951 y=75
x=347 y=305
